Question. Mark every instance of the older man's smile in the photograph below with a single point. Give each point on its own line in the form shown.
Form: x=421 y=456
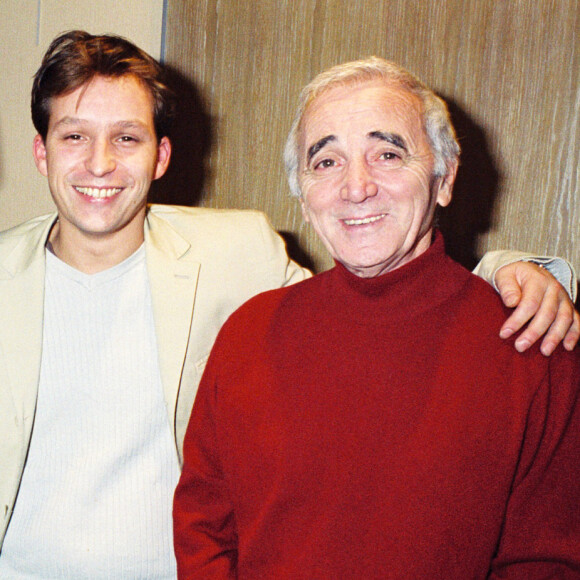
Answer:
x=364 y=220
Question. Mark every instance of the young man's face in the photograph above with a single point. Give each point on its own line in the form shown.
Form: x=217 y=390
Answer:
x=100 y=155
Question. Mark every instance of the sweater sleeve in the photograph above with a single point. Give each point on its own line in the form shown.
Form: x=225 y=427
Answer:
x=541 y=533
x=205 y=538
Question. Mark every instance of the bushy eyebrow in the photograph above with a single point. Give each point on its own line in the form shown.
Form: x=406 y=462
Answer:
x=391 y=138
x=314 y=149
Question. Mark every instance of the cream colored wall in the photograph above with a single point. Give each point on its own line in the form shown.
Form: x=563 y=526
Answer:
x=26 y=29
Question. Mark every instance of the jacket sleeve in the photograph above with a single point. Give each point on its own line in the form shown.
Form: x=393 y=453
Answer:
x=560 y=268
x=285 y=269
x=541 y=533
x=205 y=537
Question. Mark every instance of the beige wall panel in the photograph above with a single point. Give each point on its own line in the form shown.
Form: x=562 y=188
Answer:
x=139 y=20
x=26 y=29
x=23 y=192
x=509 y=70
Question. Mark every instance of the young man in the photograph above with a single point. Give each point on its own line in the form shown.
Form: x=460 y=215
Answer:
x=369 y=422
x=109 y=310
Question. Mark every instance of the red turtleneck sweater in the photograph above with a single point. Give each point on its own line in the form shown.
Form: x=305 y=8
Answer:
x=379 y=428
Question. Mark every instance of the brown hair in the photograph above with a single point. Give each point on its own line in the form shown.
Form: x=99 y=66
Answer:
x=76 y=57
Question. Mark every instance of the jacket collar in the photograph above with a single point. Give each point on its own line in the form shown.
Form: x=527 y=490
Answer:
x=173 y=275
x=22 y=288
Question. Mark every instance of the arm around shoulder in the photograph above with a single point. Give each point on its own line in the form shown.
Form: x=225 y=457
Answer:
x=560 y=268
x=542 y=301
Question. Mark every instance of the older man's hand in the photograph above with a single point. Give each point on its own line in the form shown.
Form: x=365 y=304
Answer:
x=540 y=299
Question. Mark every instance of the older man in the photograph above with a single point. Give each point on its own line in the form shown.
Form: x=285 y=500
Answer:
x=369 y=422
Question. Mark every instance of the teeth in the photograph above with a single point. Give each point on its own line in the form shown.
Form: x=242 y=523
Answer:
x=369 y=220
x=98 y=192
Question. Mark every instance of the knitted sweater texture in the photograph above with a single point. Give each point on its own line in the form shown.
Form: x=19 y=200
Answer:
x=380 y=428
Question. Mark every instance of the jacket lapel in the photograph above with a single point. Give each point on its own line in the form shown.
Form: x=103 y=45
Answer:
x=22 y=290
x=173 y=276
x=22 y=268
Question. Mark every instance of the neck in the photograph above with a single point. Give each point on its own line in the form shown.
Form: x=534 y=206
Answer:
x=90 y=253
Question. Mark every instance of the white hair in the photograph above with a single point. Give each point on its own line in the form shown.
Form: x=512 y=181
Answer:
x=436 y=120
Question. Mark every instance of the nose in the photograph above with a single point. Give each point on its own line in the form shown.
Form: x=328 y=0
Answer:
x=100 y=158
x=358 y=183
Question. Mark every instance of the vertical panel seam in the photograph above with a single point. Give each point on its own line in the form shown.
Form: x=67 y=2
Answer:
x=163 y=32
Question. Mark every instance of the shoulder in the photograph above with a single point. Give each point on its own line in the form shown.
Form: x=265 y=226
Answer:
x=249 y=326
x=473 y=318
x=33 y=228
x=484 y=298
x=239 y=240
x=196 y=221
x=286 y=306
x=24 y=241
x=473 y=291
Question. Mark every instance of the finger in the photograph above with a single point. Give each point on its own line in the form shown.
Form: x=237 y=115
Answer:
x=559 y=329
x=508 y=287
x=527 y=308
x=573 y=334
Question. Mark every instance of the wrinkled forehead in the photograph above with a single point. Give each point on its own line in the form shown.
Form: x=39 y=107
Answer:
x=376 y=105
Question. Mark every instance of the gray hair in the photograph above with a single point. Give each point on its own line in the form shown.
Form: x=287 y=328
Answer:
x=436 y=121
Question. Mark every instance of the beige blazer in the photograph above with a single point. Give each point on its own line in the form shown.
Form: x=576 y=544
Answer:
x=202 y=265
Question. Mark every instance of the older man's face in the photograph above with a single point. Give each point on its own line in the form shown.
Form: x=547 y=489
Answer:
x=366 y=175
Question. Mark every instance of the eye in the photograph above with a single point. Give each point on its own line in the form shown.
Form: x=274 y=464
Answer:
x=324 y=164
x=390 y=159
x=128 y=139
x=73 y=137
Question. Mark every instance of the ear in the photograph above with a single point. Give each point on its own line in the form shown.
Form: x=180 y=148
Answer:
x=445 y=191
x=39 y=153
x=163 y=157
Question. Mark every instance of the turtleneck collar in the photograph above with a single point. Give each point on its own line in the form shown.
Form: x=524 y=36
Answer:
x=429 y=279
